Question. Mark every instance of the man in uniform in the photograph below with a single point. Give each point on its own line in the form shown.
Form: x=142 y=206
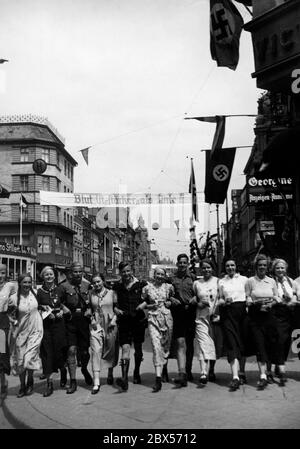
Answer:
x=184 y=314
x=131 y=323
x=74 y=296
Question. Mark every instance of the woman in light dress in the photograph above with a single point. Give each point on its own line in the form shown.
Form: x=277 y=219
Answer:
x=283 y=312
x=156 y=297
x=6 y=290
x=103 y=331
x=27 y=334
x=206 y=291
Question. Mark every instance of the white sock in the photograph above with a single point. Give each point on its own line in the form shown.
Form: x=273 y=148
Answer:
x=263 y=376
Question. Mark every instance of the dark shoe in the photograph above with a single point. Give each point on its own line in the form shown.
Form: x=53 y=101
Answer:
x=270 y=378
x=137 y=378
x=49 y=389
x=157 y=386
x=262 y=384
x=212 y=377
x=87 y=377
x=29 y=388
x=164 y=374
x=63 y=377
x=203 y=379
x=95 y=389
x=282 y=379
x=181 y=381
x=276 y=371
x=73 y=387
x=234 y=385
x=122 y=383
x=189 y=377
x=21 y=393
x=42 y=377
x=243 y=379
x=110 y=380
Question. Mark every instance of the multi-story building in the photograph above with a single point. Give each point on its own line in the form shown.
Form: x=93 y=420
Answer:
x=48 y=228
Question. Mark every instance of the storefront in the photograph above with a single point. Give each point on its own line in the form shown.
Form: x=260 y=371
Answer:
x=18 y=259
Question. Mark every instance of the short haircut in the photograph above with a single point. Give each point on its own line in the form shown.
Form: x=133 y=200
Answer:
x=276 y=262
x=208 y=261
x=122 y=265
x=181 y=256
x=98 y=275
x=259 y=258
x=75 y=265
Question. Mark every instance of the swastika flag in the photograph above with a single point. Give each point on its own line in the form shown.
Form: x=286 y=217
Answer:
x=217 y=175
x=226 y=25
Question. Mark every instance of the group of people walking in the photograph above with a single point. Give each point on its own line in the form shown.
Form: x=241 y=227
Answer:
x=63 y=326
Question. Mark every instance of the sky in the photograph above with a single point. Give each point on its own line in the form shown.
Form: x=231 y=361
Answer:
x=121 y=76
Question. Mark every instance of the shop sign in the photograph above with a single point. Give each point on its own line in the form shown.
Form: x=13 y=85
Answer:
x=268 y=190
x=20 y=250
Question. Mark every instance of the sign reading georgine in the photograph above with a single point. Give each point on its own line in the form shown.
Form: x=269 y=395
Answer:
x=268 y=190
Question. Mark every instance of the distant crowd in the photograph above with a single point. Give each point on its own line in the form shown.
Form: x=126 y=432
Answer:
x=66 y=326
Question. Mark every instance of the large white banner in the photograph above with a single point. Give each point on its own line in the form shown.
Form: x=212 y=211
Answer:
x=69 y=200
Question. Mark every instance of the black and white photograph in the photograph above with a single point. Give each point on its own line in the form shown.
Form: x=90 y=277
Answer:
x=149 y=218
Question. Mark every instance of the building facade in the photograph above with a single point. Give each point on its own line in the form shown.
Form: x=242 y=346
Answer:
x=49 y=229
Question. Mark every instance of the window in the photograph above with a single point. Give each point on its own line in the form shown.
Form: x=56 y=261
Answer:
x=58 y=246
x=25 y=214
x=24 y=183
x=45 y=213
x=57 y=158
x=65 y=171
x=65 y=218
x=58 y=185
x=46 y=183
x=46 y=155
x=71 y=173
x=65 y=189
x=24 y=155
x=44 y=244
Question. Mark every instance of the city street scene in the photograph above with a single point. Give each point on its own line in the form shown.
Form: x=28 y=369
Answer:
x=149 y=217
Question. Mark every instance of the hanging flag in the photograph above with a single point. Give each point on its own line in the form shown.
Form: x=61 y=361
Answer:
x=177 y=225
x=3 y=192
x=220 y=120
x=85 y=154
x=193 y=191
x=225 y=29
x=218 y=174
x=23 y=201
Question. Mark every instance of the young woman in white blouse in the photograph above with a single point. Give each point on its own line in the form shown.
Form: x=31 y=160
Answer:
x=233 y=315
x=206 y=291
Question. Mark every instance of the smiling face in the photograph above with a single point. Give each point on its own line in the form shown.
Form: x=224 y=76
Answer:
x=97 y=283
x=159 y=276
x=182 y=264
x=25 y=285
x=206 y=270
x=48 y=276
x=126 y=274
x=280 y=270
x=261 y=268
x=230 y=267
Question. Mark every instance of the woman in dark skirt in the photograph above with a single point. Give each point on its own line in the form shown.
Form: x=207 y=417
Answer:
x=6 y=290
x=233 y=316
x=283 y=313
x=54 y=344
x=262 y=294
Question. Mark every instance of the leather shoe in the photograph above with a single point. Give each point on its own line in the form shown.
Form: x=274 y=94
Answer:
x=203 y=379
x=234 y=385
x=96 y=389
x=189 y=377
x=49 y=389
x=73 y=387
x=181 y=381
x=21 y=393
x=262 y=384
x=243 y=379
x=157 y=386
x=29 y=389
x=136 y=378
x=212 y=377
